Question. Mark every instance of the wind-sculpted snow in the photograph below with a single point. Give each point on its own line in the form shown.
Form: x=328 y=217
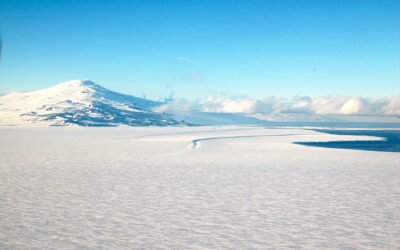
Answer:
x=146 y=188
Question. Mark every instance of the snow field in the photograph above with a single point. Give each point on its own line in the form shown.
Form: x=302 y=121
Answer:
x=248 y=187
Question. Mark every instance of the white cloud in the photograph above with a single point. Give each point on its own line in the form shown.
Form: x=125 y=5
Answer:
x=223 y=104
x=392 y=106
x=351 y=106
x=184 y=59
x=177 y=105
x=300 y=105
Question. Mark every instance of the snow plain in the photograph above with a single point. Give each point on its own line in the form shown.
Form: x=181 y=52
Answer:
x=193 y=188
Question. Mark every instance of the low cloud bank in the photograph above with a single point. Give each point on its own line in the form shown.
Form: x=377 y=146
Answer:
x=306 y=105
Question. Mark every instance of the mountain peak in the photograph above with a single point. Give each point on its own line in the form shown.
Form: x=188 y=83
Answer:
x=81 y=102
x=77 y=83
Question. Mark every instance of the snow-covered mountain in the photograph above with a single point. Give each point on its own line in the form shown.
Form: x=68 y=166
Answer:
x=85 y=103
x=80 y=102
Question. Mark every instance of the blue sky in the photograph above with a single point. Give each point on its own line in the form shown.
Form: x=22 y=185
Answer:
x=196 y=48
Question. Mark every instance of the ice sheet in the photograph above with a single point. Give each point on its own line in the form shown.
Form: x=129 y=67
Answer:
x=121 y=188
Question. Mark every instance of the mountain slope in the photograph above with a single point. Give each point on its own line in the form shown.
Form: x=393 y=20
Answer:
x=80 y=102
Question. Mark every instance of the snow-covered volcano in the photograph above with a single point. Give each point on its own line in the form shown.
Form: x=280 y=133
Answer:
x=80 y=102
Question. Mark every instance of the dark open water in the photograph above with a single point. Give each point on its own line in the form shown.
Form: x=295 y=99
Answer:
x=390 y=144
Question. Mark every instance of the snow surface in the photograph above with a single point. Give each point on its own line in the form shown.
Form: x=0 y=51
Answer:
x=152 y=188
